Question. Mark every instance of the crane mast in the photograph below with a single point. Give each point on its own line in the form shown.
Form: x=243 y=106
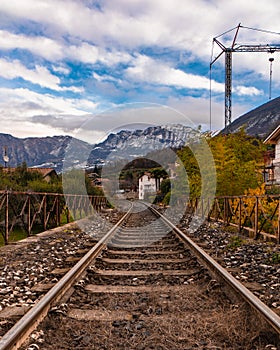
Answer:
x=228 y=65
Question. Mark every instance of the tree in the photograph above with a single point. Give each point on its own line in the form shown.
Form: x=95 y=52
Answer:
x=238 y=160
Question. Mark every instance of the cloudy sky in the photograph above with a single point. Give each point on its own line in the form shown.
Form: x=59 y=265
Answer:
x=83 y=67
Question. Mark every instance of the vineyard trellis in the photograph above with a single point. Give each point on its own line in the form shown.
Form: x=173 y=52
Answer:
x=33 y=211
x=258 y=215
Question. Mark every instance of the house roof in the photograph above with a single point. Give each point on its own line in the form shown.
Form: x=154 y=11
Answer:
x=44 y=171
x=146 y=173
x=274 y=136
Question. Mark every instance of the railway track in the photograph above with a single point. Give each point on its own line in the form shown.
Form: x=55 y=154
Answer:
x=146 y=285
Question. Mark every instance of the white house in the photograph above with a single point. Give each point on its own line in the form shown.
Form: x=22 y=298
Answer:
x=274 y=167
x=148 y=185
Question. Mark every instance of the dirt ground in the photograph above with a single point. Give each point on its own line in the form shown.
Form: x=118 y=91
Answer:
x=194 y=318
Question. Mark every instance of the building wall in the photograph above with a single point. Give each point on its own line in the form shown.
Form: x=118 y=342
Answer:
x=273 y=166
x=277 y=150
x=148 y=185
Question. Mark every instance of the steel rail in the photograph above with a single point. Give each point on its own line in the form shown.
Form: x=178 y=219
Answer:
x=271 y=317
x=19 y=333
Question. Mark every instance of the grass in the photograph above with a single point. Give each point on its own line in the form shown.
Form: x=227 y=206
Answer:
x=19 y=233
x=235 y=242
x=16 y=235
x=275 y=258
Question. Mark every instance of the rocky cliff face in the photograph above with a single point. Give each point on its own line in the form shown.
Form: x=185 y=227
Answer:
x=50 y=151
x=128 y=144
x=261 y=121
x=37 y=151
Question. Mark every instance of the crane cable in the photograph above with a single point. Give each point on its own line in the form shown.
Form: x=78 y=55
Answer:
x=210 y=88
x=260 y=30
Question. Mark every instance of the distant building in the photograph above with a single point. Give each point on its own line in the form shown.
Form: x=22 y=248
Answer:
x=47 y=173
x=148 y=185
x=272 y=166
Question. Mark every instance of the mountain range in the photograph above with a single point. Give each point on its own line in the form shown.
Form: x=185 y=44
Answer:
x=41 y=152
x=126 y=144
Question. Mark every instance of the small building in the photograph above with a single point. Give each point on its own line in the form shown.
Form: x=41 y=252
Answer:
x=47 y=173
x=148 y=185
x=272 y=166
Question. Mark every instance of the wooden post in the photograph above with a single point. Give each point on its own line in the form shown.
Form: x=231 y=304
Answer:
x=225 y=210
x=57 y=207
x=6 y=238
x=240 y=214
x=29 y=215
x=256 y=218
x=45 y=212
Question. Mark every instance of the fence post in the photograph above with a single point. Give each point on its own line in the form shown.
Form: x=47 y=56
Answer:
x=256 y=218
x=225 y=210
x=240 y=214
x=45 y=211
x=6 y=238
x=57 y=197
x=29 y=215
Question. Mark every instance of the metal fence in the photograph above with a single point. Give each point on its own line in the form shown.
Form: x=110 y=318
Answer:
x=33 y=211
x=258 y=215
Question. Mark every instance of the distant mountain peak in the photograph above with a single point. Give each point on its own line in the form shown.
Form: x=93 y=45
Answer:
x=37 y=151
x=260 y=121
x=127 y=144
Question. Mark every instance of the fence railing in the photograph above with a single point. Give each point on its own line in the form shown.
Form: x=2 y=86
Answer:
x=35 y=211
x=259 y=215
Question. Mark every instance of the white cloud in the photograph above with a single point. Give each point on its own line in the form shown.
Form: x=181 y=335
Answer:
x=104 y=77
x=249 y=91
x=187 y=25
x=38 y=45
x=53 y=50
x=59 y=30
x=145 y=69
x=198 y=110
x=39 y=75
x=61 y=69
x=32 y=104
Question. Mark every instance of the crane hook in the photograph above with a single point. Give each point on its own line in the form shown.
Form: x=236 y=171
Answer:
x=271 y=59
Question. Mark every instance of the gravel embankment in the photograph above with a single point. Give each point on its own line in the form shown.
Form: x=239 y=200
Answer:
x=254 y=263
x=30 y=267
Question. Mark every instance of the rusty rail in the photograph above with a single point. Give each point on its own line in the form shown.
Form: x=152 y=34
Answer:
x=36 y=211
x=258 y=215
x=16 y=336
x=221 y=273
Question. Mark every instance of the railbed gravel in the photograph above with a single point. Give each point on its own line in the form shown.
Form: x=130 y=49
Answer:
x=255 y=263
x=28 y=264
